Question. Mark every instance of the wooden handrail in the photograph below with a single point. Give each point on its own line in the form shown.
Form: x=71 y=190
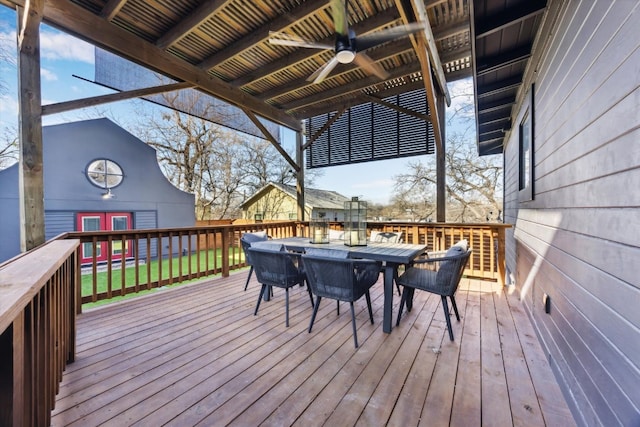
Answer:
x=37 y=330
x=188 y=253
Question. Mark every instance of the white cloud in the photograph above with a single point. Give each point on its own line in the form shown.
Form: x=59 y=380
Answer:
x=8 y=42
x=60 y=46
x=8 y=104
x=48 y=75
x=8 y=111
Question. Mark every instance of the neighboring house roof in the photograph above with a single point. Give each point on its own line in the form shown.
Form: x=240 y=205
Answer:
x=313 y=198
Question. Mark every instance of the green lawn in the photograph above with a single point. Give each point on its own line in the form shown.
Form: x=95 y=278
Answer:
x=130 y=278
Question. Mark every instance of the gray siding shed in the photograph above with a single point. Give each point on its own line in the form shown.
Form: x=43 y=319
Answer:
x=67 y=151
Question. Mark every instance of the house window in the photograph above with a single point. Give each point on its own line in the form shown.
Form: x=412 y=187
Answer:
x=257 y=217
x=104 y=173
x=104 y=221
x=526 y=139
x=293 y=216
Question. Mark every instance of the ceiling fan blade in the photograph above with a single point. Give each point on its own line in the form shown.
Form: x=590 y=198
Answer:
x=284 y=39
x=339 y=12
x=365 y=62
x=370 y=40
x=321 y=73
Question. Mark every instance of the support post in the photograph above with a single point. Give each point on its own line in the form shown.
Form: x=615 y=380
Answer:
x=300 y=175
x=441 y=171
x=30 y=169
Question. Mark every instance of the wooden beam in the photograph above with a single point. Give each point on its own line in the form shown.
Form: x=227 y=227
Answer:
x=356 y=86
x=326 y=126
x=261 y=34
x=363 y=27
x=391 y=49
x=432 y=49
x=111 y=9
x=423 y=57
x=407 y=111
x=30 y=171
x=195 y=18
x=356 y=100
x=112 y=97
x=76 y=20
x=271 y=138
x=509 y=17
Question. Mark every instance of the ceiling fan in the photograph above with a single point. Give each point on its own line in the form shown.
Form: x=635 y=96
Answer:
x=348 y=47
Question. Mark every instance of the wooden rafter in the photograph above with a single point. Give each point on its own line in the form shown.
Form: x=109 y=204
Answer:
x=111 y=9
x=407 y=111
x=197 y=17
x=363 y=27
x=393 y=48
x=112 y=97
x=262 y=34
x=326 y=126
x=100 y=32
x=352 y=87
x=271 y=138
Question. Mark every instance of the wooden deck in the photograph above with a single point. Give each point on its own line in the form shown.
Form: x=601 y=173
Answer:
x=196 y=355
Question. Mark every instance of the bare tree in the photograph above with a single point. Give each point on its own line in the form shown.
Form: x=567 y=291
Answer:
x=8 y=147
x=473 y=185
x=220 y=166
x=7 y=60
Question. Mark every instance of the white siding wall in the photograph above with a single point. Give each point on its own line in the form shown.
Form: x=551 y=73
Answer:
x=578 y=240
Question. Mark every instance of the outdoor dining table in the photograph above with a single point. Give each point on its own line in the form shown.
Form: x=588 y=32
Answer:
x=391 y=254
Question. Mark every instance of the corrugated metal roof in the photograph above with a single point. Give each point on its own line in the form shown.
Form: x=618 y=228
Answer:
x=222 y=46
x=313 y=197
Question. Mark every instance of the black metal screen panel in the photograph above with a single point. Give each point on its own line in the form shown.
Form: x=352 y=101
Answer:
x=372 y=131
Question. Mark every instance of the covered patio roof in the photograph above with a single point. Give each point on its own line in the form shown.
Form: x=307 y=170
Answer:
x=223 y=48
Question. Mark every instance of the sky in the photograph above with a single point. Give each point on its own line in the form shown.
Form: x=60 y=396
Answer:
x=63 y=57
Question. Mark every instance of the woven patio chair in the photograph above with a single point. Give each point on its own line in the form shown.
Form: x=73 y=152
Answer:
x=280 y=269
x=246 y=240
x=342 y=279
x=439 y=275
x=386 y=236
x=390 y=237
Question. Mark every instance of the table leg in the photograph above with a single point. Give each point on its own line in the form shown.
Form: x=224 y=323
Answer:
x=388 y=297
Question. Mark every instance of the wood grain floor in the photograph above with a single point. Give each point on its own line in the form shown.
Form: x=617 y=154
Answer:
x=197 y=356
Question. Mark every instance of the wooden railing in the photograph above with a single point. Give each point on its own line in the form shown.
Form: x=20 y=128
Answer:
x=37 y=330
x=40 y=291
x=161 y=257
x=486 y=239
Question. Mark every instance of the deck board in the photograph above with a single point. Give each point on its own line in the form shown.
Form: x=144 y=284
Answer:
x=196 y=355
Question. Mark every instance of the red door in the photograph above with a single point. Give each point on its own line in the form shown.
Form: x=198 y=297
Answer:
x=104 y=221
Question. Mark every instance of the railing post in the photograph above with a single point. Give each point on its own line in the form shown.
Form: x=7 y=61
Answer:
x=502 y=262
x=12 y=393
x=226 y=241
x=77 y=290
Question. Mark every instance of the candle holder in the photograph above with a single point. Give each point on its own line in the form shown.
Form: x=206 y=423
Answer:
x=319 y=231
x=355 y=222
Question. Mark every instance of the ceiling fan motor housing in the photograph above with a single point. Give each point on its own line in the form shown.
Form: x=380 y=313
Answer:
x=345 y=49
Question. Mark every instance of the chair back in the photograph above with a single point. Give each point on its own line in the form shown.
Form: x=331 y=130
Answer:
x=450 y=272
x=386 y=236
x=344 y=279
x=247 y=239
x=276 y=268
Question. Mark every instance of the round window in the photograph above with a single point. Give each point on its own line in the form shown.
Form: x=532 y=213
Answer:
x=104 y=173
